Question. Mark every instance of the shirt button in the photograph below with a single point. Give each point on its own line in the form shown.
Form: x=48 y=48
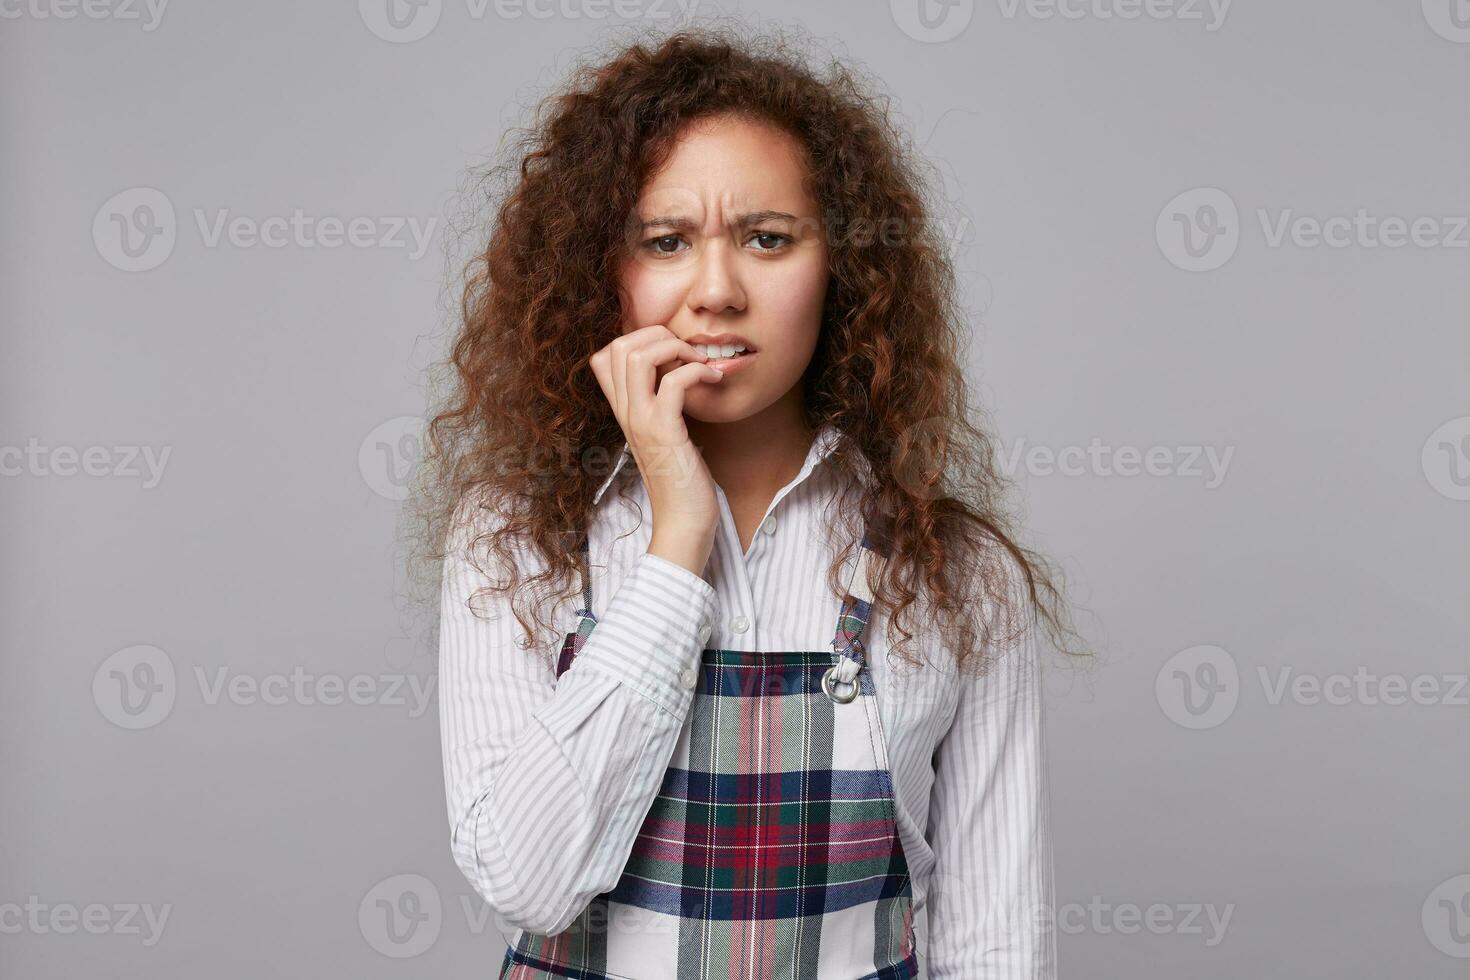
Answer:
x=739 y=624
x=769 y=525
x=703 y=633
x=688 y=678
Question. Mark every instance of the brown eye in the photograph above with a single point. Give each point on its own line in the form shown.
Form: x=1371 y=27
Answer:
x=657 y=244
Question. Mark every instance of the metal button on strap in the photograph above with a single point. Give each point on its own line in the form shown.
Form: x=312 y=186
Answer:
x=688 y=678
x=830 y=678
x=739 y=624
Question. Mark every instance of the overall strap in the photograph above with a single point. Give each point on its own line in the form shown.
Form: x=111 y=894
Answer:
x=572 y=645
x=857 y=605
x=584 y=550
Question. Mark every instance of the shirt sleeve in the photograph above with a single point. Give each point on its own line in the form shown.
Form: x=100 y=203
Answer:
x=548 y=781
x=990 y=903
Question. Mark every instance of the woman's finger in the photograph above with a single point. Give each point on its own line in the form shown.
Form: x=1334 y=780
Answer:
x=640 y=372
x=669 y=402
x=618 y=351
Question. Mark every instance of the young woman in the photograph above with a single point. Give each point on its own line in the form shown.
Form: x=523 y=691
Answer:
x=738 y=651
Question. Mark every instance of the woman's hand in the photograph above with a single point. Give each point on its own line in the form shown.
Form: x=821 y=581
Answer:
x=647 y=396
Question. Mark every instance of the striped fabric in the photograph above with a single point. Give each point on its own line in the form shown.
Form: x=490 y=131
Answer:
x=771 y=850
x=549 y=780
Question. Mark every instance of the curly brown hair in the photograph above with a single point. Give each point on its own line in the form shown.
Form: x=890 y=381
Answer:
x=541 y=299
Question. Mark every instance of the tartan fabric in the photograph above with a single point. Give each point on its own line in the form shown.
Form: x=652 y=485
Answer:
x=572 y=644
x=771 y=850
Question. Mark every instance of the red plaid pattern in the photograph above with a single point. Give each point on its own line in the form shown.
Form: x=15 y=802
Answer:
x=772 y=848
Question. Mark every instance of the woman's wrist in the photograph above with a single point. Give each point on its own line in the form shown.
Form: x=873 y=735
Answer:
x=689 y=547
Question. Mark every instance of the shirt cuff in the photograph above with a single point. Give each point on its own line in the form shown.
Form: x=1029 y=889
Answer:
x=653 y=632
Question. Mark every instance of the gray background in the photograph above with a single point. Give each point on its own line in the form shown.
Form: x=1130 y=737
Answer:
x=285 y=384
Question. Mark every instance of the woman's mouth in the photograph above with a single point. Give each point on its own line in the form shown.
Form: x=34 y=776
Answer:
x=729 y=363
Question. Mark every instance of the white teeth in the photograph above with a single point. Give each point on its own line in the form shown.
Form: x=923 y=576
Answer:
x=719 y=350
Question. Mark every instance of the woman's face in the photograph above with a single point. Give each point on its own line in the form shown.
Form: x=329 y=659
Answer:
x=726 y=241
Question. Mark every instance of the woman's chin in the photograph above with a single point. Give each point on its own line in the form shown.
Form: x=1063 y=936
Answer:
x=716 y=406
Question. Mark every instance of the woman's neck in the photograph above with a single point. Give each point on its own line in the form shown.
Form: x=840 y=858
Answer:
x=755 y=457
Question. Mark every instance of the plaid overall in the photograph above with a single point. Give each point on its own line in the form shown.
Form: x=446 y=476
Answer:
x=771 y=850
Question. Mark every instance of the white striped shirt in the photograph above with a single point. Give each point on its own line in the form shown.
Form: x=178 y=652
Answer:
x=548 y=783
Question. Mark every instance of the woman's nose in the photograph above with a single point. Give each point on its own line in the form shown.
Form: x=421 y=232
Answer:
x=716 y=285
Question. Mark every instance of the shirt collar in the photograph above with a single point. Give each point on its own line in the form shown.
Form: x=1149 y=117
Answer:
x=822 y=444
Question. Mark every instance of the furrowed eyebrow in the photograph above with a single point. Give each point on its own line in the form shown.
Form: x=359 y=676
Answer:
x=681 y=223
